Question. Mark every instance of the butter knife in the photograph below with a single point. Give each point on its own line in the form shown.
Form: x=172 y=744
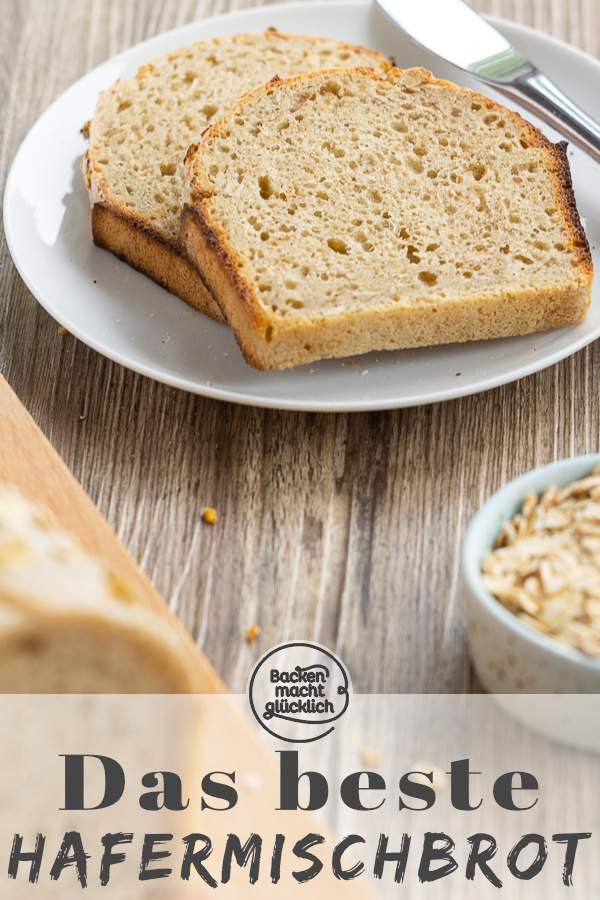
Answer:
x=453 y=31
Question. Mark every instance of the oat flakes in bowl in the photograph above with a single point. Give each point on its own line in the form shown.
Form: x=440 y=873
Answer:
x=545 y=564
x=531 y=579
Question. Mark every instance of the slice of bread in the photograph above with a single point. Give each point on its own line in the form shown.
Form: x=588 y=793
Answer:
x=342 y=212
x=66 y=625
x=141 y=130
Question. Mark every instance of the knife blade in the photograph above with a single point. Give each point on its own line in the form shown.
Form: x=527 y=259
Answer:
x=453 y=31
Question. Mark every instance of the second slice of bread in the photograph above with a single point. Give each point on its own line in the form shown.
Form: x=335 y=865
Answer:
x=342 y=212
x=142 y=128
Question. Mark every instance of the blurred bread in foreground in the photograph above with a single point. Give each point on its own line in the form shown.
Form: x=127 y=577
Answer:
x=67 y=625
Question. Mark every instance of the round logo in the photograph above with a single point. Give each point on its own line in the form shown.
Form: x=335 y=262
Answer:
x=298 y=690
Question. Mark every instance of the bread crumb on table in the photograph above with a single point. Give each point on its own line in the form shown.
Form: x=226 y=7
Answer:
x=253 y=633
x=370 y=757
x=210 y=515
x=438 y=776
x=62 y=330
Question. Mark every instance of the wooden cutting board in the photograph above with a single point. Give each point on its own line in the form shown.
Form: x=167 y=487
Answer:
x=28 y=460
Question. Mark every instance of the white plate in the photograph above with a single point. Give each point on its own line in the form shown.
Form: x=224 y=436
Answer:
x=131 y=320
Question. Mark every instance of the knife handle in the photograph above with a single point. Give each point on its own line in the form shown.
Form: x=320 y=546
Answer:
x=540 y=95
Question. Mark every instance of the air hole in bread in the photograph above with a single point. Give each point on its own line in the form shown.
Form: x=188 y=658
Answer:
x=265 y=186
x=331 y=87
x=338 y=246
x=415 y=165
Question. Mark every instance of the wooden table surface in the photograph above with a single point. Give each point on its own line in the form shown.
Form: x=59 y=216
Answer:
x=306 y=501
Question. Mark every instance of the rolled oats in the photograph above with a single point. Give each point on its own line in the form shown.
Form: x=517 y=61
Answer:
x=545 y=564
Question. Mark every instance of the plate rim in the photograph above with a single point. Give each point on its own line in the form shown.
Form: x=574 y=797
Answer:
x=255 y=399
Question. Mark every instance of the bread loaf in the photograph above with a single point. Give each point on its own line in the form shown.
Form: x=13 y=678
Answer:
x=341 y=212
x=68 y=626
x=142 y=127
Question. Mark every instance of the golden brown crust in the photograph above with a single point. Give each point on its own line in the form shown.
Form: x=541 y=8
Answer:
x=151 y=253
x=569 y=206
x=267 y=342
x=305 y=341
x=558 y=154
x=207 y=247
x=456 y=321
x=135 y=239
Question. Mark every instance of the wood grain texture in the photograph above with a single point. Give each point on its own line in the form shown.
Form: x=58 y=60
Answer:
x=29 y=462
x=305 y=501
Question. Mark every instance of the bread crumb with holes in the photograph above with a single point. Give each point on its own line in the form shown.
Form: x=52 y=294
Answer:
x=388 y=246
x=133 y=168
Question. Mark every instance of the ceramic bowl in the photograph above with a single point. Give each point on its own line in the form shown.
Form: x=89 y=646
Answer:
x=510 y=657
